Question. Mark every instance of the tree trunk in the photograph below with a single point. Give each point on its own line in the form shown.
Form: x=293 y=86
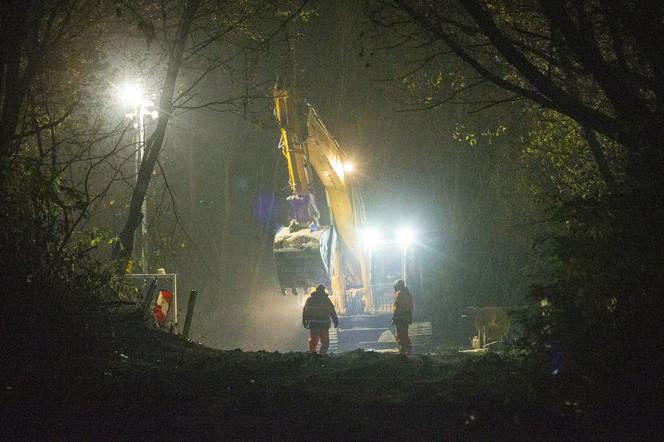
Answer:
x=14 y=33
x=125 y=246
x=600 y=160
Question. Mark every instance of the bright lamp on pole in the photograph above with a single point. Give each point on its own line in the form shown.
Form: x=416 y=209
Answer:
x=372 y=237
x=406 y=236
x=131 y=94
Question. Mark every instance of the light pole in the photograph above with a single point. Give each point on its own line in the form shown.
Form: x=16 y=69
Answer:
x=406 y=236
x=372 y=239
x=132 y=94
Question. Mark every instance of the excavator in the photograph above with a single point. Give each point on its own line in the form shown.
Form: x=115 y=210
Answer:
x=308 y=253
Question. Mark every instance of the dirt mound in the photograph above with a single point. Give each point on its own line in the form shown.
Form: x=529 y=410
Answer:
x=148 y=384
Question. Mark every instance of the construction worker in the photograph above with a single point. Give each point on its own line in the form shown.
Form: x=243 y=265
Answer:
x=402 y=315
x=316 y=314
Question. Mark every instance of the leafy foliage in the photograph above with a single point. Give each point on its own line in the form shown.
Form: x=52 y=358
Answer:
x=597 y=143
x=51 y=288
x=604 y=303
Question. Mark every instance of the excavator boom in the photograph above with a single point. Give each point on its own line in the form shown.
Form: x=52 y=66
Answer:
x=306 y=253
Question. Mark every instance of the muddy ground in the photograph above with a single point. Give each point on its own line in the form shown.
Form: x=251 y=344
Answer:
x=150 y=385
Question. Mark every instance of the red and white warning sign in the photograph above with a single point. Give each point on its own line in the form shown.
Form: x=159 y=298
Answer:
x=160 y=311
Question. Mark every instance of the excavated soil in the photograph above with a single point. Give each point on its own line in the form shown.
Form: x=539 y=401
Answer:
x=144 y=384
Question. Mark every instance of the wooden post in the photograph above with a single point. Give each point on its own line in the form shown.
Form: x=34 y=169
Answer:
x=149 y=294
x=190 y=313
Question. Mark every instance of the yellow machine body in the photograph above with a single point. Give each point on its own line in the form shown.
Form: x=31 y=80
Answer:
x=306 y=253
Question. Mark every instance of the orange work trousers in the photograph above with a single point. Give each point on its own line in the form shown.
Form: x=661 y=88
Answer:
x=322 y=335
x=403 y=339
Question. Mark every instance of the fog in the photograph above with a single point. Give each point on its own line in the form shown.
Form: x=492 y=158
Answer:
x=220 y=193
x=272 y=323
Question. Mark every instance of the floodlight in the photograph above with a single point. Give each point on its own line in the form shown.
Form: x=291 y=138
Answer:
x=131 y=93
x=406 y=236
x=372 y=237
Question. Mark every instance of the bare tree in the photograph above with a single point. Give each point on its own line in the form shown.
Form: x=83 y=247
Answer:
x=596 y=62
x=35 y=37
x=205 y=35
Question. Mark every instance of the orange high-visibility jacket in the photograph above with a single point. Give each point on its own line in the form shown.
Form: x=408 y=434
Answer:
x=317 y=311
x=403 y=306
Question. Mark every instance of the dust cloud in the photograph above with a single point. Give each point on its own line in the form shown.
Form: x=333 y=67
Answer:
x=270 y=322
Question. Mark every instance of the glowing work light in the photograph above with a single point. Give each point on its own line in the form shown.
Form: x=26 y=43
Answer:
x=372 y=237
x=406 y=236
x=131 y=94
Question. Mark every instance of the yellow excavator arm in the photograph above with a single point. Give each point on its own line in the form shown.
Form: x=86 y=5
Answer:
x=306 y=144
x=293 y=135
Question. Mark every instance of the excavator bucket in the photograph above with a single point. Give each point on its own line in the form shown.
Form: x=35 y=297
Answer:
x=302 y=257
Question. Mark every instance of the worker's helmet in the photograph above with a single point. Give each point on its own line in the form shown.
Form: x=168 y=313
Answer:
x=320 y=288
x=399 y=284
